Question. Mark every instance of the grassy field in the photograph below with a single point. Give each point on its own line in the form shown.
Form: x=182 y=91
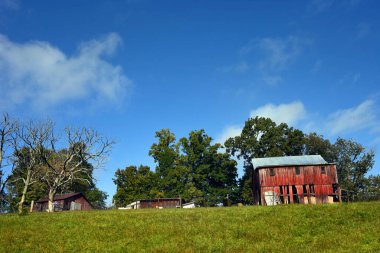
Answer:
x=292 y=228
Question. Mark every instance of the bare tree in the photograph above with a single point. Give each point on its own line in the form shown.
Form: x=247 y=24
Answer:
x=8 y=128
x=31 y=137
x=62 y=166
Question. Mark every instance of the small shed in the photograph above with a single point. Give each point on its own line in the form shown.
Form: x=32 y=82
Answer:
x=65 y=202
x=155 y=203
x=305 y=179
x=189 y=205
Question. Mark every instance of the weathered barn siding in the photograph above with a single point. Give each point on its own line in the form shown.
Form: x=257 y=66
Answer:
x=296 y=184
x=160 y=203
x=85 y=205
x=308 y=175
x=63 y=202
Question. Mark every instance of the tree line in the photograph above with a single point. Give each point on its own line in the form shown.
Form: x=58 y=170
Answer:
x=197 y=170
x=41 y=162
x=192 y=168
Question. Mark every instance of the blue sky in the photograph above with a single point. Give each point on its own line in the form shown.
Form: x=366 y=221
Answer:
x=129 y=68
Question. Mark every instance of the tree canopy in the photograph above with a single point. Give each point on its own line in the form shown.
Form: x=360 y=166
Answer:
x=261 y=137
x=135 y=183
x=196 y=169
x=192 y=168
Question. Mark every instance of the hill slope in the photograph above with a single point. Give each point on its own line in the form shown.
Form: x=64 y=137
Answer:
x=292 y=228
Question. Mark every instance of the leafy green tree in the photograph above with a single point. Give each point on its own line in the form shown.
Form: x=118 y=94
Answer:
x=15 y=189
x=371 y=190
x=134 y=183
x=316 y=145
x=353 y=162
x=193 y=168
x=261 y=137
x=211 y=177
x=96 y=197
x=165 y=153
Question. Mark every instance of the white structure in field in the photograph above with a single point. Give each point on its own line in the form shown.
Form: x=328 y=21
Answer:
x=188 y=205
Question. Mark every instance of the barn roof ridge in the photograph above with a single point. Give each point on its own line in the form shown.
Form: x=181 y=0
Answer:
x=158 y=199
x=288 y=161
x=62 y=196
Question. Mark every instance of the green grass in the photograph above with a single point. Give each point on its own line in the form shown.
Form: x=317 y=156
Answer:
x=291 y=228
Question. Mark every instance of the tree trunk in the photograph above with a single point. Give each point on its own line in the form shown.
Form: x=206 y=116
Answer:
x=24 y=191
x=51 y=200
x=21 y=203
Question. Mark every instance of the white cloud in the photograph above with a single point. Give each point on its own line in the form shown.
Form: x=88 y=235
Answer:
x=10 y=4
x=272 y=80
x=353 y=3
x=350 y=79
x=352 y=119
x=283 y=113
x=320 y=5
x=241 y=67
x=275 y=53
x=228 y=132
x=362 y=30
x=41 y=75
x=279 y=53
x=272 y=56
x=356 y=78
x=316 y=67
x=289 y=113
x=363 y=117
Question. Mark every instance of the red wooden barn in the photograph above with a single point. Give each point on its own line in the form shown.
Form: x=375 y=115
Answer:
x=62 y=202
x=294 y=179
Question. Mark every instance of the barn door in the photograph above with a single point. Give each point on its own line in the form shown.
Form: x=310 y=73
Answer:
x=75 y=206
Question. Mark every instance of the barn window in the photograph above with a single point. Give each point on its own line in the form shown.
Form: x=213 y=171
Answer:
x=323 y=170
x=271 y=172
x=298 y=170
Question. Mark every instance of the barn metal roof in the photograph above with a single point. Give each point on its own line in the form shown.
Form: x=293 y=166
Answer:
x=288 y=160
x=158 y=199
x=61 y=196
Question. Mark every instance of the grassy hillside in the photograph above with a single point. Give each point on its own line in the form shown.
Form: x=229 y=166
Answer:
x=292 y=228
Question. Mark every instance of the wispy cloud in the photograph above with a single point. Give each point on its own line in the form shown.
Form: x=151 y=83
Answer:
x=37 y=73
x=10 y=4
x=272 y=80
x=363 y=117
x=268 y=58
x=362 y=31
x=350 y=79
x=272 y=56
x=353 y=3
x=320 y=5
x=356 y=78
x=279 y=52
x=317 y=66
x=353 y=119
x=241 y=67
